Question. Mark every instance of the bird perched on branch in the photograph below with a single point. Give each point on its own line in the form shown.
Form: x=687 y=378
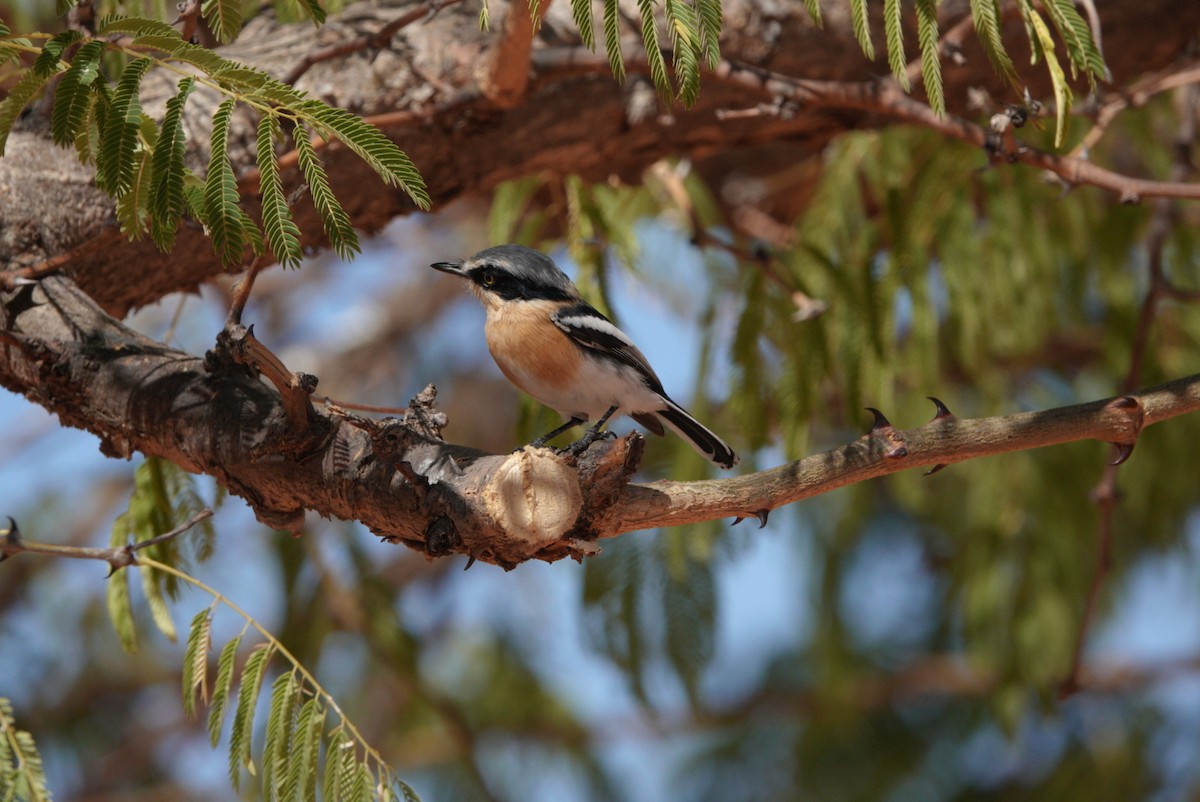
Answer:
x=552 y=344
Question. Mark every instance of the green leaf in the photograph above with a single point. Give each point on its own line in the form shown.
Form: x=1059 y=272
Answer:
x=381 y=153
x=581 y=11
x=22 y=776
x=312 y=9
x=862 y=27
x=220 y=693
x=282 y=233
x=1058 y=78
x=302 y=758
x=485 y=16
x=243 y=718
x=893 y=28
x=279 y=733
x=115 y=162
x=152 y=589
x=166 y=196
x=18 y=97
x=47 y=61
x=87 y=139
x=710 y=15
x=658 y=68
x=73 y=93
x=333 y=217
x=224 y=17
x=1082 y=50
x=195 y=661
x=986 y=16
x=813 y=7
x=221 y=197
x=137 y=26
x=931 y=63
x=612 y=39
x=684 y=33
x=133 y=214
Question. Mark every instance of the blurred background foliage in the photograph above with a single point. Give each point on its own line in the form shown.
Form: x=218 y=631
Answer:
x=900 y=639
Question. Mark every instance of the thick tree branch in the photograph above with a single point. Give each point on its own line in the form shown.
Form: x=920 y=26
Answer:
x=406 y=484
x=427 y=92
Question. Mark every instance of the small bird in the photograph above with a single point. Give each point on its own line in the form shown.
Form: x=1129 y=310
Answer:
x=552 y=344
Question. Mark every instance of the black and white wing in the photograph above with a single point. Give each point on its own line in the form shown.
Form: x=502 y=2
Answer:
x=592 y=330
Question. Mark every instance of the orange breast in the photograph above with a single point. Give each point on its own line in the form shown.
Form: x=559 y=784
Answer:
x=531 y=351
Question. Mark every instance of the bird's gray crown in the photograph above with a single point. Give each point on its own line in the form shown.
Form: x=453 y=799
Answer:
x=519 y=273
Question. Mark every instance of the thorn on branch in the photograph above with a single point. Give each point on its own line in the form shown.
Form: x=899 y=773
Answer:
x=761 y=515
x=882 y=428
x=943 y=411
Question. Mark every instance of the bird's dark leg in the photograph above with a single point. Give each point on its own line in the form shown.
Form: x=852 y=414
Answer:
x=541 y=441
x=590 y=436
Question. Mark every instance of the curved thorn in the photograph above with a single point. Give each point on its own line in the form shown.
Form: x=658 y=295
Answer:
x=881 y=421
x=943 y=411
x=737 y=520
x=1123 y=452
x=935 y=469
x=470 y=562
x=762 y=516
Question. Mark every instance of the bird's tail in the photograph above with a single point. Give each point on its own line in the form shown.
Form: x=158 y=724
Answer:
x=707 y=444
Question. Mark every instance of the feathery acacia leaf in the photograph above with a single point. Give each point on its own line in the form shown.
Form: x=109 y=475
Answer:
x=381 y=153
x=581 y=11
x=931 y=63
x=18 y=97
x=87 y=138
x=224 y=17
x=278 y=740
x=73 y=93
x=710 y=14
x=224 y=221
x=1082 y=51
x=862 y=27
x=133 y=214
x=221 y=687
x=1058 y=78
x=240 y=736
x=658 y=68
x=612 y=39
x=893 y=28
x=333 y=217
x=684 y=32
x=22 y=776
x=195 y=661
x=985 y=14
x=166 y=199
x=813 y=7
x=312 y=9
x=282 y=233
x=46 y=63
x=114 y=163
x=136 y=26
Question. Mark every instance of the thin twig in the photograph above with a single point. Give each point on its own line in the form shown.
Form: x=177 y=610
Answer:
x=117 y=557
x=373 y=41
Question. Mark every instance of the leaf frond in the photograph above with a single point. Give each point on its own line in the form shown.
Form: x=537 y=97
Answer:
x=862 y=27
x=73 y=93
x=370 y=144
x=658 y=67
x=333 y=217
x=985 y=14
x=224 y=17
x=281 y=230
x=931 y=63
x=115 y=160
x=893 y=29
x=18 y=98
x=612 y=39
x=223 y=219
x=167 y=202
x=581 y=12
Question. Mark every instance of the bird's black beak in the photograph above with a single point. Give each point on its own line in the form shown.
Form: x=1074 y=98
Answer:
x=453 y=268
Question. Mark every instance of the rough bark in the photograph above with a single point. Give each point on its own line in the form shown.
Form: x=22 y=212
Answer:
x=468 y=129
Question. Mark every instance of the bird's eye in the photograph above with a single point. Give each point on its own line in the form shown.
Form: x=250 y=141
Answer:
x=489 y=278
